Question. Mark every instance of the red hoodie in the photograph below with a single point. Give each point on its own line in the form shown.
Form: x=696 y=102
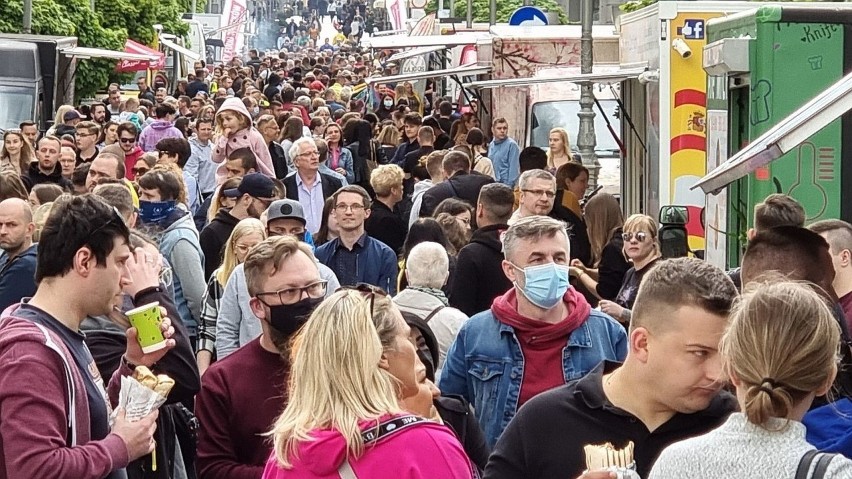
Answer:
x=541 y=343
x=34 y=409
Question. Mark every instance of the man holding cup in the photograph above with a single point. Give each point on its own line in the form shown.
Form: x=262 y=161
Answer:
x=53 y=406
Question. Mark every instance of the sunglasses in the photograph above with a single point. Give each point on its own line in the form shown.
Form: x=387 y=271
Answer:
x=366 y=289
x=140 y=171
x=640 y=236
x=127 y=140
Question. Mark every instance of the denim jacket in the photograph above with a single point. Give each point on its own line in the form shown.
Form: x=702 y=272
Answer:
x=485 y=364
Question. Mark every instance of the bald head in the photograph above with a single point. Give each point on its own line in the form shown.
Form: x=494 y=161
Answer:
x=16 y=226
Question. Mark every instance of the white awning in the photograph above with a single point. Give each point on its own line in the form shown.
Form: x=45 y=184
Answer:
x=406 y=41
x=464 y=70
x=414 y=52
x=606 y=77
x=182 y=50
x=783 y=137
x=85 y=52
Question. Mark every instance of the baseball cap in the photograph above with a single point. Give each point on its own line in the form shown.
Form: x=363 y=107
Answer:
x=257 y=185
x=284 y=209
x=72 y=115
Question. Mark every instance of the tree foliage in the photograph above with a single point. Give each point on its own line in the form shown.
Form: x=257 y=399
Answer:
x=112 y=22
x=505 y=8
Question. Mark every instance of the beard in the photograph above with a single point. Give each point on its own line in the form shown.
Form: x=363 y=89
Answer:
x=281 y=342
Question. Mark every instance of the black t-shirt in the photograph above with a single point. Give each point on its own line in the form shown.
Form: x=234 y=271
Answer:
x=75 y=342
x=545 y=439
x=630 y=286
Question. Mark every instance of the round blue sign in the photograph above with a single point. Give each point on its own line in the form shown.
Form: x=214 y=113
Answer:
x=528 y=16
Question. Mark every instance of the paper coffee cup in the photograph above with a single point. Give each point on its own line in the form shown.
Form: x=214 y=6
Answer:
x=146 y=319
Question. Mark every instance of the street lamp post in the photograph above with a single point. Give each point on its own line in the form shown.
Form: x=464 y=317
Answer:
x=586 y=136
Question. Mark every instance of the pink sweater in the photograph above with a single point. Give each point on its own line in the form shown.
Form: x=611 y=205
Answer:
x=245 y=138
x=425 y=450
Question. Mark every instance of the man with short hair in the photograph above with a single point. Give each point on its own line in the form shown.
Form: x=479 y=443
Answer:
x=98 y=112
x=127 y=133
x=195 y=105
x=254 y=194
x=118 y=196
x=67 y=161
x=236 y=409
x=459 y=183
x=18 y=261
x=87 y=140
x=176 y=151
x=669 y=388
x=145 y=92
x=538 y=190
x=46 y=169
x=197 y=85
x=200 y=165
x=384 y=223
x=426 y=140
x=776 y=210
x=530 y=158
x=105 y=165
x=55 y=414
x=30 y=131
x=504 y=153
x=240 y=162
x=114 y=102
x=838 y=234
x=445 y=116
x=538 y=335
x=307 y=185
x=160 y=96
x=483 y=256
x=433 y=175
x=354 y=256
x=162 y=127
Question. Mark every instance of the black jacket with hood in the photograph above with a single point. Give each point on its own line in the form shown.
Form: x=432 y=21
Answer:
x=479 y=274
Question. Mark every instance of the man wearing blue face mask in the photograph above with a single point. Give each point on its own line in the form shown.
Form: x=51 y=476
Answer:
x=172 y=227
x=539 y=335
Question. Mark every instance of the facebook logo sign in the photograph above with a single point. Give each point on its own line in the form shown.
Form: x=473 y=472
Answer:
x=692 y=30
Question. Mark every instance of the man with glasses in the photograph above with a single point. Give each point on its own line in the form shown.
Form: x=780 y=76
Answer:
x=307 y=185
x=538 y=191
x=241 y=395
x=127 y=133
x=46 y=169
x=354 y=256
x=67 y=161
x=87 y=140
x=253 y=195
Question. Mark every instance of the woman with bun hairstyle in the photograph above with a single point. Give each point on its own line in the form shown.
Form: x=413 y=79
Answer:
x=779 y=352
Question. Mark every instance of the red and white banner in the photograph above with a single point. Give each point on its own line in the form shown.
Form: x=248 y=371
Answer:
x=234 y=12
x=397 y=13
x=136 y=65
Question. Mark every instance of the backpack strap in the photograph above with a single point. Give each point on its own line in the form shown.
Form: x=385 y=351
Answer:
x=805 y=464
x=69 y=386
x=385 y=429
x=433 y=313
x=822 y=465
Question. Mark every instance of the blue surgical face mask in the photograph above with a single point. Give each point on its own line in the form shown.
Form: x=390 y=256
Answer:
x=155 y=211
x=544 y=284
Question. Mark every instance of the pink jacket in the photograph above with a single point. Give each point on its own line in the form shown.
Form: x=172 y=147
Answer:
x=248 y=137
x=425 y=450
x=34 y=416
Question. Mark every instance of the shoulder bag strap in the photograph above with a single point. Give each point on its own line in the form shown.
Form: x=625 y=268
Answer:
x=384 y=430
x=434 y=312
x=822 y=465
x=805 y=464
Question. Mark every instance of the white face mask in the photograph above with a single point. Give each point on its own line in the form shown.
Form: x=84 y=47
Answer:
x=388 y=103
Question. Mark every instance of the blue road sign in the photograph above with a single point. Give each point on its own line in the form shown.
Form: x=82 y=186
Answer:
x=528 y=16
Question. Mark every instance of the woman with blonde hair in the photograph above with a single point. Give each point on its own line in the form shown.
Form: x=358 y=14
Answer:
x=642 y=248
x=779 y=352
x=559 y=151
x=58 y=119
x=354 y=425
x=247 y=233
x=220 y=201
x=603 y=279
x=16 y=154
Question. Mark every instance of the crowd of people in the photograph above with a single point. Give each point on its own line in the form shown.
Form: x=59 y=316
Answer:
x=359 y=288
